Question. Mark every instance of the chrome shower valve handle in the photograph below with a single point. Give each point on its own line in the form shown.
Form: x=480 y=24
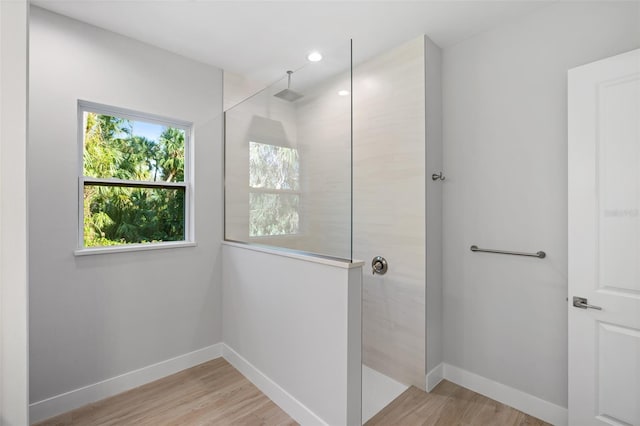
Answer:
x=379 y=265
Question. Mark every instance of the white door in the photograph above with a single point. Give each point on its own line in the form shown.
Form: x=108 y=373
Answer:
x=604 y=241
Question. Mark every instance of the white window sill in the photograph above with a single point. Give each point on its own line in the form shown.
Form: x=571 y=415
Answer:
x=132 y=247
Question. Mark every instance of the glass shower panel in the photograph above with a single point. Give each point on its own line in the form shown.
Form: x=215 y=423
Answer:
x=288 y=161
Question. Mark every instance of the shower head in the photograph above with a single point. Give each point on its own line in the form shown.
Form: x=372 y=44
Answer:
x=288 y=94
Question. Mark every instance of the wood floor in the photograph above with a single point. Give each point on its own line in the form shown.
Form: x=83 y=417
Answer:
x=449 y=404
x=215 y=393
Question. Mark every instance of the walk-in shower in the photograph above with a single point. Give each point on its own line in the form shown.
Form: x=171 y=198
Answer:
x=338 y=168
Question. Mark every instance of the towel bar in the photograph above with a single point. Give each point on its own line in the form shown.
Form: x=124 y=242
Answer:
x=540 y=254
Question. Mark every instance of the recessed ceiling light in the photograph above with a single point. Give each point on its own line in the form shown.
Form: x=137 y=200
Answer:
x=343 y=93
x=314 y=56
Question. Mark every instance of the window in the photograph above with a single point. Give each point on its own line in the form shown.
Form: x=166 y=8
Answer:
x=134 y=178
x=274 y=190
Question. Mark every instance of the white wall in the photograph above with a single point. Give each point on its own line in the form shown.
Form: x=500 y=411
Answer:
x=13 y=213
x=95 y=317
x=505 y=155
x=237 y=88
x=297 y=322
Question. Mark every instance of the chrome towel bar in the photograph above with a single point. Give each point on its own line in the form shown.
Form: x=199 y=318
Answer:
x=540 y=254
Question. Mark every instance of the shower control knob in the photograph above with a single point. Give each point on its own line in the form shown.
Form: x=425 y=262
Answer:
x=379 y=265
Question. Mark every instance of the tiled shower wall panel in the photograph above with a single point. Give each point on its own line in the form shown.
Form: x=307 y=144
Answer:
x=389 y=208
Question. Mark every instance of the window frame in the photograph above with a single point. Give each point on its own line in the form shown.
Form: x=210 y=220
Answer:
x=274 y=191
x=187 y=184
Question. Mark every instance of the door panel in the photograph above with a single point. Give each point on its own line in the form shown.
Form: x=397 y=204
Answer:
x=604 y=241
x=619 y=184
x=617 y=361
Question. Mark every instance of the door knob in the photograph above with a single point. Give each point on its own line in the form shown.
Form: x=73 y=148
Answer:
x=581 y=302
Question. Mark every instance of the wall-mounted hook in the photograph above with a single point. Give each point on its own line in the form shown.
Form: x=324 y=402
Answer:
x=437 y=176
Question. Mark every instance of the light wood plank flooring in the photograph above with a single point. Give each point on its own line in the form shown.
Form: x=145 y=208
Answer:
x=449 y=404
x=215 y=393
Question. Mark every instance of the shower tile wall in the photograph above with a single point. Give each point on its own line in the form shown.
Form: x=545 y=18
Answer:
x=389 y=208
x=324 y=132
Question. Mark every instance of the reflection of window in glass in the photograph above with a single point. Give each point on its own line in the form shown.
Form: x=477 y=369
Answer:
x=274 y=190
x=134 y=178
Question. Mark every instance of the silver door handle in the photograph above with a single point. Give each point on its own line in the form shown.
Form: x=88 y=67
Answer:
x=581 y=302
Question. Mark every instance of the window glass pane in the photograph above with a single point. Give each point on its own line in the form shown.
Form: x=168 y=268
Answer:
x=273 y=167
x=273 y=214
x=124 y=215
x=132 y=150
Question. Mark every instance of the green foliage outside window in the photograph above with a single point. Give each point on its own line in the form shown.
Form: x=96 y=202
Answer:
x=127 y=214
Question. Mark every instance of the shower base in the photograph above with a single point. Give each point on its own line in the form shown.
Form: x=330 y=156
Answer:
x=378 y=391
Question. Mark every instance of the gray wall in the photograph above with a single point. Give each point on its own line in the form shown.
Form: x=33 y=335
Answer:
x=433 y=199
x=505 y=139
x=95 y=317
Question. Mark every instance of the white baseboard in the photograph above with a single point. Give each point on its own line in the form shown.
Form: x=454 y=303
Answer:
x=77 y=398
x=294 y=408
x=527 y=403
x=68 y=401
x=435 y=376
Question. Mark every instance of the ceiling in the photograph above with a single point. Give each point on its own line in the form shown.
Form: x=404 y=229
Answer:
x=262 y=39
